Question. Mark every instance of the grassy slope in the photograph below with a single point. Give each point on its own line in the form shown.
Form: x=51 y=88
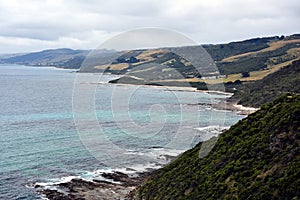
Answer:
x=255 y=93
x=221 y=51
x=253 y=55
x=260 y=60
x=258 y=158
x=271 y=47
x=266 y=90
x=259 y=56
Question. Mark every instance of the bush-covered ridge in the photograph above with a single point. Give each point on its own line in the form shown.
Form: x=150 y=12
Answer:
x=269 y=88
x=258 y=158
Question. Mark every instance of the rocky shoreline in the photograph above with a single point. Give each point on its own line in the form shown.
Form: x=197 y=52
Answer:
x=232 y=106
x=229 y=106
x=119 y=187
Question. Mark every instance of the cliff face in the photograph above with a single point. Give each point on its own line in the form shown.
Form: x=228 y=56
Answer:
x=258 y=158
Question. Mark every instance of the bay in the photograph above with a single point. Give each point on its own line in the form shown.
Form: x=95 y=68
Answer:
x=40 y=141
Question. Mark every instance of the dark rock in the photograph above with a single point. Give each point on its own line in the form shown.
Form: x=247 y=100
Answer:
x=116 y=176
x=97 y=189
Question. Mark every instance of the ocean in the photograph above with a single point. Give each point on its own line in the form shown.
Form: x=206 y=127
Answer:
x=56 y=124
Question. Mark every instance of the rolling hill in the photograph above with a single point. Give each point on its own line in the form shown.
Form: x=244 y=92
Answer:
x=194 y=65
x=257 y=58
x=64 y=58
x=259 y=92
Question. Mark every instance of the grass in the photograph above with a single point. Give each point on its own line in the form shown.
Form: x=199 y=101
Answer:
x=256 y=93
x=146 y=56
x=255 y=75
x=272 y=46
x=118 y=66
x=101 y=67
x=145 y=70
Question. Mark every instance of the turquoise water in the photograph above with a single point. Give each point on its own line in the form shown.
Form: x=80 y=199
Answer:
x=40 y=142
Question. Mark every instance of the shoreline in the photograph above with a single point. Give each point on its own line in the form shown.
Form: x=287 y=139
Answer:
x=41 y=67
x=234 y=107
x=226 y=105
x=117 y=184
x=170 y=88
x=113 y=185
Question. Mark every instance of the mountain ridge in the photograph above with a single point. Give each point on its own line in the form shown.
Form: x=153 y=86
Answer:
x=259 y=92
x=247 y=53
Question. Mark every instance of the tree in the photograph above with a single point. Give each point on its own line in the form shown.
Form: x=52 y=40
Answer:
x=245 y=74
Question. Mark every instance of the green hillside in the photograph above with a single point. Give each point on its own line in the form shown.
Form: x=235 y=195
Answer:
x=259 y=61
x=256 y=58
x=258 y=158
x=263 y=91
x=220 y=51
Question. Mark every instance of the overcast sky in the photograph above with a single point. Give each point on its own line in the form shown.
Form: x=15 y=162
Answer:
x=31 y=25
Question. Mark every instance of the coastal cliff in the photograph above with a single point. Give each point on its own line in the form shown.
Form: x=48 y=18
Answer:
x=258 y=158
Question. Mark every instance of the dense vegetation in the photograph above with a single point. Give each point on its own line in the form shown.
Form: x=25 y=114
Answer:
x=258 y=158
x=266 y=90
x=258 y=61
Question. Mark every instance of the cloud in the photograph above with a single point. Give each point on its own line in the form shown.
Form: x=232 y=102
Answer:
x=34 y=25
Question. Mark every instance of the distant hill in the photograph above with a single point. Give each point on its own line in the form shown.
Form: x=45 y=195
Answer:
x=277 y=51
x=221 y=51
x=247 y=60
x=64 y=58
x=5 y=56
x=257 y=93
x=258 y=158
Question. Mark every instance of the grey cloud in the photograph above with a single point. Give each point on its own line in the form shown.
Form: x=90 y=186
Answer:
x=54 y=22
x=147 y=38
